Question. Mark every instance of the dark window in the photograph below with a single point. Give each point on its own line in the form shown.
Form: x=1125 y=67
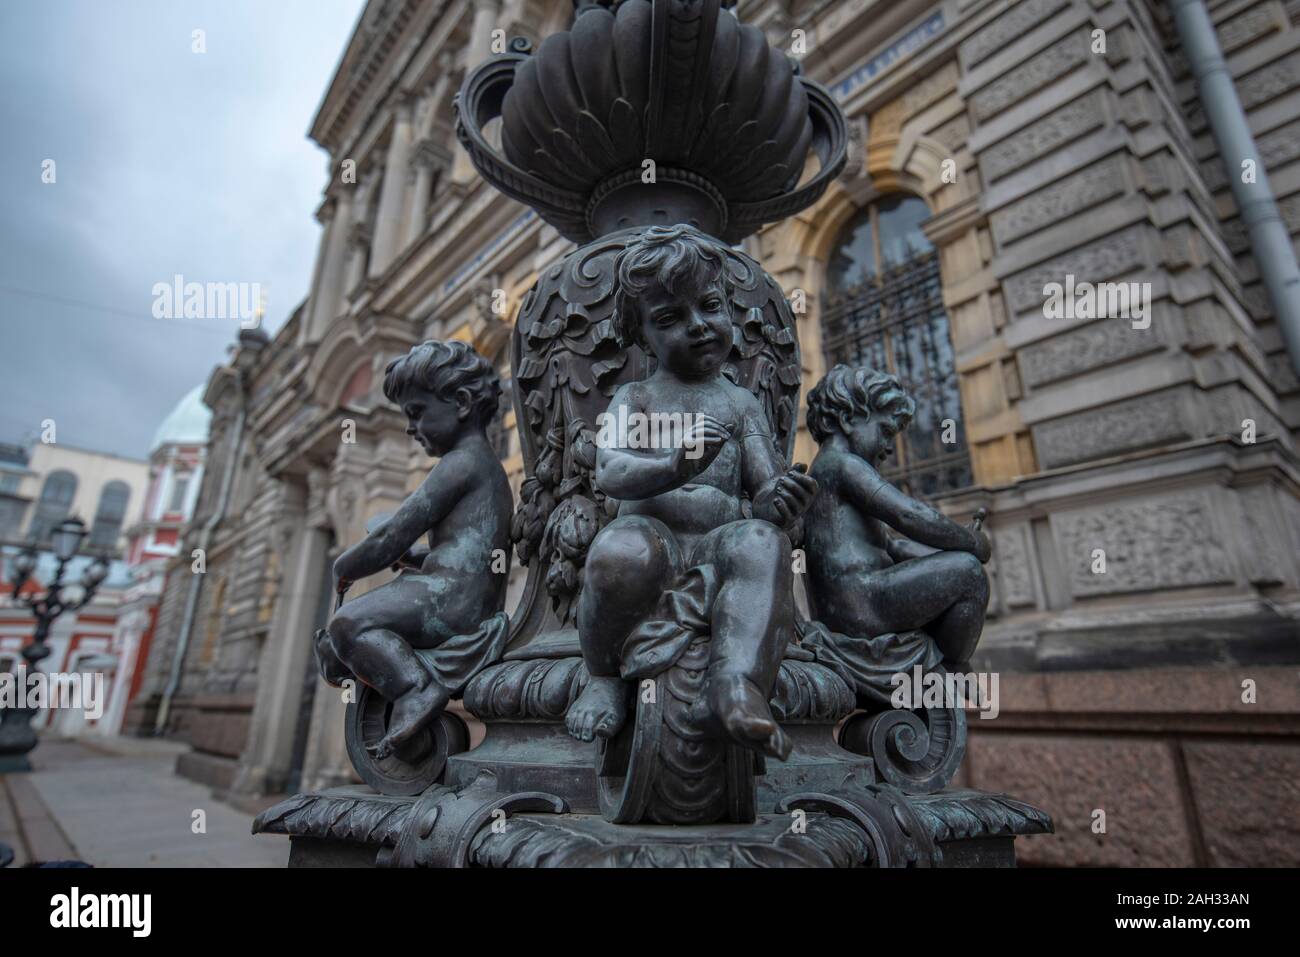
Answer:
x=884 y=309
x=110 y=515
x=57 y=493
x=12 y=511
x=180 y=487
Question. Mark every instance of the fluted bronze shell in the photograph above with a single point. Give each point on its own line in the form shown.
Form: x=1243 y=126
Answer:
x=726 y=119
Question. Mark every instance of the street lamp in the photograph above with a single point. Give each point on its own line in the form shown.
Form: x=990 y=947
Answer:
x=66 y=537
x=17 y=738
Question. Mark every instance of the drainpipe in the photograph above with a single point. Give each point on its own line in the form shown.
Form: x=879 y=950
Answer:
x=196 y=582
x=1270 y=240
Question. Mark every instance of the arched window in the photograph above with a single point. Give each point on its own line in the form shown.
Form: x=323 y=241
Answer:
x=110 y=515
x=884 y=309
x=52 y=507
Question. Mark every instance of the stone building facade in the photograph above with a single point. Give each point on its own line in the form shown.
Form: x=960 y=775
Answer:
x=1139 y=470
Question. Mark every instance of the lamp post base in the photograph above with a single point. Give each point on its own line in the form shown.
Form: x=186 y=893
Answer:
x=17 y=739
x=878 y=826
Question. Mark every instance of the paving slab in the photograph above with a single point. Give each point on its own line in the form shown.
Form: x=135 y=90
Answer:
x=118 y=803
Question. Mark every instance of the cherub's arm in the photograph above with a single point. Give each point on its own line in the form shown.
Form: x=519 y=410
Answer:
x=901 y=549
x=632 y=474
x=919 y=522
x=780 y=495
x=635 y=474
x=423 y=510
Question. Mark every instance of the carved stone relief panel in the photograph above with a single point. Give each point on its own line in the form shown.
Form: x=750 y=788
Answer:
x=1097 y=261
x=1263 y=537
x=1054 y=62
x=1007 y=28
x=1170 y=541
x=1109 y=430
x=1093 y=346
x=1063 y=199
x=1254 y=89
x=1053 y=131
x=1016 y=571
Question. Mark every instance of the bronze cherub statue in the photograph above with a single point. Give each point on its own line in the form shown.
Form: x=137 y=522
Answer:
x=864 y=581
x=685 y=524
x=420 y=637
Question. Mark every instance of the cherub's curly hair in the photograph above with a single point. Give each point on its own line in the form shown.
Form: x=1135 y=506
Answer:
x=666 y=255
x=847 y=391
x=443 y=368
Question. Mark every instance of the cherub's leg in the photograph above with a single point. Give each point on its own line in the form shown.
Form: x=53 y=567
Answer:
x=957 y=631
x=367 y=635
x=753 y=620
x=628 y=566
x=946 y=594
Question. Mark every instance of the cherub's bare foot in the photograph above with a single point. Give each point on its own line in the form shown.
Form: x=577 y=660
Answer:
x=734 y=704
x=599 y=710
x=411 y=712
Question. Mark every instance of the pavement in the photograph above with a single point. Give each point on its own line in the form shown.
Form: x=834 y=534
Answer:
x=116 y=802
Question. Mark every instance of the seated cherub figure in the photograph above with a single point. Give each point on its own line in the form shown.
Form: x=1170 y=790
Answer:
x=682 y=527
x=862 y=581
x=448 y=598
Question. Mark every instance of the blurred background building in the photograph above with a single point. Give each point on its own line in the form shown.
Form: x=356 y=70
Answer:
x=40 y=486
x=139 y=509
x=176 y=460
x=1142 y=483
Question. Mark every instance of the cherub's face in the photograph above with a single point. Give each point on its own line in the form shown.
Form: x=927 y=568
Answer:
x=433 y=422
x=689 y=331
x=872 y=437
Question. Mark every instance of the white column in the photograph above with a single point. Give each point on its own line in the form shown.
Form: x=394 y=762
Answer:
x=326 y=216
x=358 y=238
x=266 y=761
x=425 y=159
x=420 y=191
x=330 y=293
x=392 y=193
x=486 y=15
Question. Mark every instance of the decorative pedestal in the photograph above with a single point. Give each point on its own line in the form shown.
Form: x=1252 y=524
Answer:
x=531 y=796
x=878 y=826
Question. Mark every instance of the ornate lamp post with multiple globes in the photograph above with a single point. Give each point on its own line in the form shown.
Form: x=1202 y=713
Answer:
x=17 y=737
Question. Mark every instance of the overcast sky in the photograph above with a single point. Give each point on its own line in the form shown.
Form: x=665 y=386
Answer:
x=166 y=162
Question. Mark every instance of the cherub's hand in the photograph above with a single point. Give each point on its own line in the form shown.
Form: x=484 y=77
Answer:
x=341 y=582
x=701 y=443
x=983 y=546
x=788 y=496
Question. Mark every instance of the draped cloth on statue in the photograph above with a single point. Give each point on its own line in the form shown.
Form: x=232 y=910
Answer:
x=461 y=657
x=868 y=665
x=681 y=617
